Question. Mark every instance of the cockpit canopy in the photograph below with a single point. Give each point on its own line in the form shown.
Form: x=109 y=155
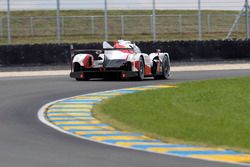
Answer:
x=122 y=44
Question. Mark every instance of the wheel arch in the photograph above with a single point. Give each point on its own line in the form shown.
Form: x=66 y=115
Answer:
x=79 y=58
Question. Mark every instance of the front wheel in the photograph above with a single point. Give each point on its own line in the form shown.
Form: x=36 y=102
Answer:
x=165 y=69
x=141 y=69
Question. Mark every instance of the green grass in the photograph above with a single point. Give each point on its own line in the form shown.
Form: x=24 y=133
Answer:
x=213 y=113
x=79 y=30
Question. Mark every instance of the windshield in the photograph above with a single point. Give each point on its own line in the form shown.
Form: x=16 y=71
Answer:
x=122 y=46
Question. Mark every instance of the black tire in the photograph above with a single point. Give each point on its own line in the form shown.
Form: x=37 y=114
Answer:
x=77 y=68
x=141 y=71
x=165 y=69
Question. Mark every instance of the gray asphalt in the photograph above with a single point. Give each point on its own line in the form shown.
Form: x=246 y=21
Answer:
x=26 y=142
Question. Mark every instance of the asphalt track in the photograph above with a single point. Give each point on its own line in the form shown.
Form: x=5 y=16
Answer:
x=26 y=142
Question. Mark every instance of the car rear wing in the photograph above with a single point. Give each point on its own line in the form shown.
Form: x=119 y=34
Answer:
x=73 y=51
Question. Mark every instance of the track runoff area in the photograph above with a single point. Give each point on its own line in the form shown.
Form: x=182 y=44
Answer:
x=74 y=116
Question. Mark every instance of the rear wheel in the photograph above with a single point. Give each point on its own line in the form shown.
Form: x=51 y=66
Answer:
x=77 y=68
x=141 y=69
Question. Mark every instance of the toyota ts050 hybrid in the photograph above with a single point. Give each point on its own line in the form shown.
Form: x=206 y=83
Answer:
x=123 y=60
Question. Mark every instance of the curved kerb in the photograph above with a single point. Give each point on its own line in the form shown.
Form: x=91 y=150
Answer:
x=73 y=116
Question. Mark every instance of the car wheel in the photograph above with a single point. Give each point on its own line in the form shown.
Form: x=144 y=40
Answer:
x=77 y=68
x=141 y=69
x=165 y=69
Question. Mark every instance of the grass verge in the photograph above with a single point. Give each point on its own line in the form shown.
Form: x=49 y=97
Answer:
x=213 y=113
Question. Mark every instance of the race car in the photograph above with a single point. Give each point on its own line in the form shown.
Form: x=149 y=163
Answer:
x=123 y=60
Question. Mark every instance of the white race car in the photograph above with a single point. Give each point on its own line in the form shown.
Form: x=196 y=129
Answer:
x=122 y=60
